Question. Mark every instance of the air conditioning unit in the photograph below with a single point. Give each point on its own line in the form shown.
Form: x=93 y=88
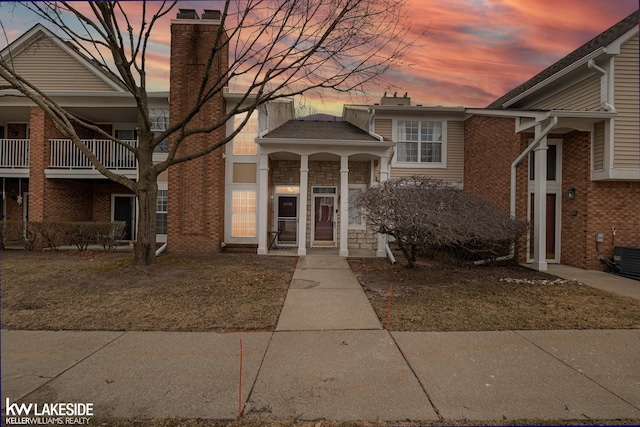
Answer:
x=627 y=261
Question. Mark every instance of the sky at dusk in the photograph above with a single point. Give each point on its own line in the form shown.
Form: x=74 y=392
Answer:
x=474 y=50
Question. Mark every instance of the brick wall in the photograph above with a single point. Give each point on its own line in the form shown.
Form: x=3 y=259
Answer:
x=611 y=204
x=196 y=188
x=12 y=189
x=491 y=145
x=575 y=174
x=61 y=199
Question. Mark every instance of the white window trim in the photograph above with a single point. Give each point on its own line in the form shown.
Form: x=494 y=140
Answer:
x=363 y=225
x=553 y=187
x=163 y=186
x=229 y=214
x=420 y=165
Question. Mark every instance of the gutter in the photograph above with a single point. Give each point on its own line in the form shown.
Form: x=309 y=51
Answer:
x=556 y=76
x=372 y=133
x=605 y=90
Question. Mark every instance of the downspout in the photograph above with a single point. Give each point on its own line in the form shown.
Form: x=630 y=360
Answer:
x=516 y=162
x=372 y=133
x=389 y=253
x=605 y=95
x=161 y=249
x=525 y=153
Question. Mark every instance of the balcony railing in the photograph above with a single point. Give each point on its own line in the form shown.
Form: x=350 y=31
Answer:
x=14 y=153
x=66 y=155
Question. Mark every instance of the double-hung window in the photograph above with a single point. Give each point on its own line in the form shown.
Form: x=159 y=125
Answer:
x=420 y=142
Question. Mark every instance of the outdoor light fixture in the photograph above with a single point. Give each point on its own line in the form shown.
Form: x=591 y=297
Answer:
x=571 y=194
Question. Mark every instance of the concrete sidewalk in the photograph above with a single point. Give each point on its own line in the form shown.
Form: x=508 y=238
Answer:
x=330 y=359
x=338 y=375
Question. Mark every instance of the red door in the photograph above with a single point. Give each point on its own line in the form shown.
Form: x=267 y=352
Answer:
x=551 y=227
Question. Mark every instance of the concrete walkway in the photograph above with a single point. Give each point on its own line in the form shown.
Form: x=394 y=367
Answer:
x=598 y=279
x=325 y=295
x=329 y=358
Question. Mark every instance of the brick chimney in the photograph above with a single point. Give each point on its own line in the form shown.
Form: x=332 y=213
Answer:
x=196 y=188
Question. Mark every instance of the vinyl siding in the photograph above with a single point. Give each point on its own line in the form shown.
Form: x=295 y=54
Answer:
x=50 y=68
x=455 y=158
x=383 y=127
x=584 y=95
x=598 y=146
x=626 y=145
x=358 y=117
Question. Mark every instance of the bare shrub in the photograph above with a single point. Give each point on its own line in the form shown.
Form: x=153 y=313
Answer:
x=28 y=236
x=53 y=234
x=109 y=235
x=423 y=214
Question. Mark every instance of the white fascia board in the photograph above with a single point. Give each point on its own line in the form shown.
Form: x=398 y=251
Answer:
x=14 y=172
x=416 y=109
x=614 y=48
x=324 y=142
x=21 y=43
x=616 y=175
x=579 y=63
x=537 y=115
x=237 y=96
x=87 y=99
x=85 y=174
x=581 y=114
x=40 y=30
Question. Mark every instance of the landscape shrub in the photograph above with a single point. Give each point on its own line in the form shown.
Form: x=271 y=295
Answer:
x=56 y=234
x=424 y=215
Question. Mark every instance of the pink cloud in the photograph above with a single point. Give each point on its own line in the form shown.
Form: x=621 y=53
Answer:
x=473 y=52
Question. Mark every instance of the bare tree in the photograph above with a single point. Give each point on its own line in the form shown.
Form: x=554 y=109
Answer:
x=276 y=48
x=421 y=213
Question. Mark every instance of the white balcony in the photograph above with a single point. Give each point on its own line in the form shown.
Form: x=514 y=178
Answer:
x=14 y=158
x=67 y=161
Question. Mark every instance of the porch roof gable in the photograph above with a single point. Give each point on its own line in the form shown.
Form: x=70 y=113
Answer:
x=319 y=131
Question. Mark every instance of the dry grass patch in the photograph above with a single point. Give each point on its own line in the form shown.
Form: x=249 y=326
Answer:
x=98 y=291
x=448 y=296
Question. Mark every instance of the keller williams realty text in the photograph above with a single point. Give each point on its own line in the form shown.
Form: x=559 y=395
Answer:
x=49 y=409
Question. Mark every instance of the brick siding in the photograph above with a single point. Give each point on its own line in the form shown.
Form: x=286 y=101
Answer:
x=491 y=145
x=196 y=188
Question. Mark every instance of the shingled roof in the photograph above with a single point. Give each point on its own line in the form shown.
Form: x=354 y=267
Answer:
x=603 y=39
x=303 y=129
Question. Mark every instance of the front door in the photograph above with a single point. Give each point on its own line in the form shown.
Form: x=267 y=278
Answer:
x=324 y=220
x=287 y=220
x=124 y=211
x=551 y=227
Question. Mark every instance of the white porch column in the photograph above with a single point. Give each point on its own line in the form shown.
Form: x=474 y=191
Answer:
x=263 y=203
x=384 y=176
x=540 y=205
x=302 y=205
x=344 y=206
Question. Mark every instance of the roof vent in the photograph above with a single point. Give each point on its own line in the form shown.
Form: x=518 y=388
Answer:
x=211 y=14
x=187 y=14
